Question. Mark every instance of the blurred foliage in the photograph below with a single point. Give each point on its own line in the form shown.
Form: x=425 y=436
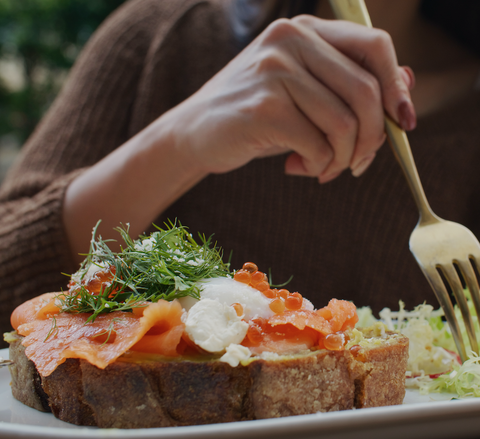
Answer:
x=43 y=38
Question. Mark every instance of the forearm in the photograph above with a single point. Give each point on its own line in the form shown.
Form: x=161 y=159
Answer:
x=132 y=185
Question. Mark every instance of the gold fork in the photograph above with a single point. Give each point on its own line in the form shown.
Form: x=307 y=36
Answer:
x=448 y=253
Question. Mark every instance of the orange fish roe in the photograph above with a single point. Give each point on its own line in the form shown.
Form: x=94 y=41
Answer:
x=283 y=293
x=262 y=286
x=269 y=294
x=277 y=306
x=254 y=333
x=294 y=301
x=334 y=342
x=250 y=267
x=242 y=276
x=257 y=277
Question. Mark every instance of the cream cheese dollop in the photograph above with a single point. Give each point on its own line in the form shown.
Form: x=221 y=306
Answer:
x=235 y=354
x=214 y=326
x=229 y=291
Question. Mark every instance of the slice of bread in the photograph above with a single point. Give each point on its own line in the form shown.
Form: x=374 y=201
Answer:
x=140 y=391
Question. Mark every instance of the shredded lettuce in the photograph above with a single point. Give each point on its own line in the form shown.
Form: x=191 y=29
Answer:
x=433 y=364
x=365 y=317
x=464 y=380
x=425 y=356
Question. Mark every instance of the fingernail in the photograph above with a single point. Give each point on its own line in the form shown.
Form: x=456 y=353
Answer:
x=409 y=77
x=363 y=165
x=406 y=116
x=325 y=179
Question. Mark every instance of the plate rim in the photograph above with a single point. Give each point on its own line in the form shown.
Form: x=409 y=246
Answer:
x=320 y=423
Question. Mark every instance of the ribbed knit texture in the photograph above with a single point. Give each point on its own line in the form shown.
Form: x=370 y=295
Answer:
x=347 y=239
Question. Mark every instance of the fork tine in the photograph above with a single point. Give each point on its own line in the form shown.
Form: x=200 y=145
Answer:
x=452 y=278
x=443 y=297
x=468 y=272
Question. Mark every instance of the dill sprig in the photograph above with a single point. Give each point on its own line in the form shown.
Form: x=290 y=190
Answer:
x=165 y=265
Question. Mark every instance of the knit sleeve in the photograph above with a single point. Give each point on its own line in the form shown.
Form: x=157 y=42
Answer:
x=89 y=119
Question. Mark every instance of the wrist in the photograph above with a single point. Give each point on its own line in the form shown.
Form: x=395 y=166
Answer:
x=133 y=185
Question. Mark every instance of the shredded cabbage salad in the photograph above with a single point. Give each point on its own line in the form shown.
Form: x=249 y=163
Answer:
x=434 y=364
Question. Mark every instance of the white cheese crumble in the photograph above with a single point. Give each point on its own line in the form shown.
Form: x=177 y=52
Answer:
x=89 y=274
x=214 y=326
x=146 y=245
x=236 y=353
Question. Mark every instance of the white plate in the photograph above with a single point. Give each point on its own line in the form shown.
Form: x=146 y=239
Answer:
x=419 y=417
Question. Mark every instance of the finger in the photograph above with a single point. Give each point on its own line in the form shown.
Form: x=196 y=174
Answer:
x=330 y=114
x=357 y=87
x=408 y=76
x=373 y=49
x=312 y=152
x=295 y=133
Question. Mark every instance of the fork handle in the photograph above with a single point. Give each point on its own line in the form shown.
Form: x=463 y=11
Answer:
x=401 y=149
x=356 y=11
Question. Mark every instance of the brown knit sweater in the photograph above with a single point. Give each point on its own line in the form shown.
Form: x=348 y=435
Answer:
x=347 y=239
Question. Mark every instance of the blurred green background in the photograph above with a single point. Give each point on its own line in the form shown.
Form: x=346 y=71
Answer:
x=39 y=41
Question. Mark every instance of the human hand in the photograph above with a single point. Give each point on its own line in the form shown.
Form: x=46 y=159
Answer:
x=315 y=88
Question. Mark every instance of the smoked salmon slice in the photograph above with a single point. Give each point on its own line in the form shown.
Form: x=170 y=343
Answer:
x=40 y=307
x=302 y=319
x=165 y=334
x=292 y=331
x=344 y=314
x=281 y=339
x=49 y=342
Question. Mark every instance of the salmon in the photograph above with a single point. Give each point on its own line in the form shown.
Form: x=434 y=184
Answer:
x=49 y=342
x=165 y=334
x=281 y=339
x=157 y=328
x=344 y=314
x=40 y=307
x=301 y=319
x=294 y=331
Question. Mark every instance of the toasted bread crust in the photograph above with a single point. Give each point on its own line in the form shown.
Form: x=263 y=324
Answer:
x=26 y=381
x=146 y=393
x=297 y=386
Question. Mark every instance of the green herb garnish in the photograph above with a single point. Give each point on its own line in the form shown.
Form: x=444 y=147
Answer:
x=165 y=265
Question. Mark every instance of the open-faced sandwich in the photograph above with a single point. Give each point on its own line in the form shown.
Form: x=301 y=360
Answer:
x=163 y=334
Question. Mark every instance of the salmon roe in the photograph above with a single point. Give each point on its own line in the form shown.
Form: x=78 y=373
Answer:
x=242 y=276
x=281 y=299
x=250 y=267
x=262 y=286
x=269 y=294
x=255 y=332
x=277 y=306
x=257 y=277
x=334 y=342
x=294 y=301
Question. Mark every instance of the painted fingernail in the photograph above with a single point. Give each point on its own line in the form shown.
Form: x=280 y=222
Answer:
x=363 y=165
x=325 y=179
x=406 y=116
